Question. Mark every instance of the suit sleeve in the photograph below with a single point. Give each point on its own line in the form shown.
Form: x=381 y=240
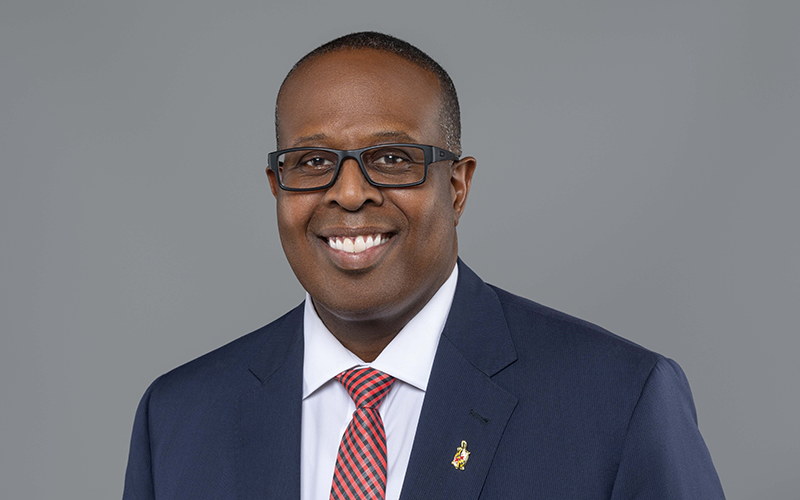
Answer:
x=664 y=456
x=139 y=474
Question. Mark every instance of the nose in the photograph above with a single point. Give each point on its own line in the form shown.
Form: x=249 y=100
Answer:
x=351 y=189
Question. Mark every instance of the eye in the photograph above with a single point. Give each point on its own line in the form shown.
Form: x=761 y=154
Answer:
x=389 y=159
x=389 y=156
x=315 y=162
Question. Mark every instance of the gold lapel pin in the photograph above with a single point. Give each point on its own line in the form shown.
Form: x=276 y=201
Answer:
x=462 y=455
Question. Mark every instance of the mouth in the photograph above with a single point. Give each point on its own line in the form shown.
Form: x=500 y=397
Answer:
x=357 y=244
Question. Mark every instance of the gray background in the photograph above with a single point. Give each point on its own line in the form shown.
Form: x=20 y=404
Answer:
x=638 y=168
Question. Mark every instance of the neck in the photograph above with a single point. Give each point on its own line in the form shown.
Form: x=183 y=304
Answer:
x=368 y=336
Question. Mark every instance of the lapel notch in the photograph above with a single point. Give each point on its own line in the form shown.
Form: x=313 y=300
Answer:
x=268 y=450
x=462 y=402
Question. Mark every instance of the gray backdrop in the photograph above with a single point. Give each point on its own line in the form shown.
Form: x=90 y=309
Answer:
x=638 y=168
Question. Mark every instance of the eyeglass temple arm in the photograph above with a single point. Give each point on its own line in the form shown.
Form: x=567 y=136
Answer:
x=440 y=154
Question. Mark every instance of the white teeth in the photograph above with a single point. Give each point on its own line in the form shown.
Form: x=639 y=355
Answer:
x=347 y=245
x=357 y=244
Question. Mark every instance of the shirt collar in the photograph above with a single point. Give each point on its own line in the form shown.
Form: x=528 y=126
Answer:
x=408 y=357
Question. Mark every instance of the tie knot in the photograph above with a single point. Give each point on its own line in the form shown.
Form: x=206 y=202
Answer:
x=366 y=386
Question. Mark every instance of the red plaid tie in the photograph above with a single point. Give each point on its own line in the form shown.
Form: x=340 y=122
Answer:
x=361 y=464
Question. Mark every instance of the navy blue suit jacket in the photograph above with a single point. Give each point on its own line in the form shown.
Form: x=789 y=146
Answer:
x=551 y=407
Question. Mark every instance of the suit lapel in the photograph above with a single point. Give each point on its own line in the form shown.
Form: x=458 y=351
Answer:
x=462 y=403
x=270 y=417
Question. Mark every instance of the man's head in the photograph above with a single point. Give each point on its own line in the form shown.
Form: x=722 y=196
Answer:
x=450 y=114
x=352 y=98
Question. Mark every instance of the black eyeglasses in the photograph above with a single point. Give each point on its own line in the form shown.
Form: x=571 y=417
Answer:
x=384 y=165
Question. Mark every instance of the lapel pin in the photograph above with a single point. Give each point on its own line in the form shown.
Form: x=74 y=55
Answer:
x=462 y=455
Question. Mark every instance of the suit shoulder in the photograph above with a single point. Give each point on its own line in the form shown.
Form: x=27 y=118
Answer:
x=535 y=326
x=220 y=369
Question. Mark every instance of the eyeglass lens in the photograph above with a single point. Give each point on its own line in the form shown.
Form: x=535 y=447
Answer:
x=389 y=165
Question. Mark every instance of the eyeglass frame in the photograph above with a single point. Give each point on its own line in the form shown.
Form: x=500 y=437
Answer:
x=432 y=154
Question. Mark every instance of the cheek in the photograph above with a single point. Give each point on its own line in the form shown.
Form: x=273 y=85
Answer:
x=431 y=220
x=438 y=210
x=293 y=216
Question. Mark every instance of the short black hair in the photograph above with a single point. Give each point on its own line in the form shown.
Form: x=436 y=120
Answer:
x=450 y=114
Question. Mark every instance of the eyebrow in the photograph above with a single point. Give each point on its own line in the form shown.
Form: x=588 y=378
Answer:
x=309 y=138
x=393 y=135
x=387 y=134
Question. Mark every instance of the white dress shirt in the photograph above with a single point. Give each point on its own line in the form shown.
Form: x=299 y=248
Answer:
x=328 y=408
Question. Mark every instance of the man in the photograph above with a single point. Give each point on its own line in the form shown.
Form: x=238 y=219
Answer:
x=403 y=375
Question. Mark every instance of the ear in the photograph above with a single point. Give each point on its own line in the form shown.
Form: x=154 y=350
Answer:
x=461 y=181
x=273 y=182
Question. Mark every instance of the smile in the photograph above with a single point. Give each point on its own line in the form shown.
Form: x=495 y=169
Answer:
x=357 y=244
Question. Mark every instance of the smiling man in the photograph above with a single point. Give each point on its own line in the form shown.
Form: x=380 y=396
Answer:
x=351 y=99
x=403 y=375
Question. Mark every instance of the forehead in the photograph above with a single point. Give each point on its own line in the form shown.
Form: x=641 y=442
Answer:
x=349 y=96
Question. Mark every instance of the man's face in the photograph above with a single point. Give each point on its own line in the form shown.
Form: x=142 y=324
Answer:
x=350 y=100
